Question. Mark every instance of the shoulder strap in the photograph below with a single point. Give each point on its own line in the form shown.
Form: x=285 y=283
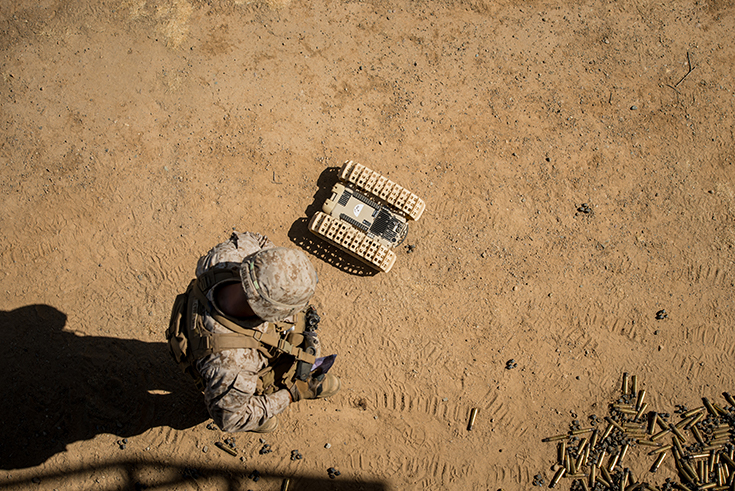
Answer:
x=243 y=337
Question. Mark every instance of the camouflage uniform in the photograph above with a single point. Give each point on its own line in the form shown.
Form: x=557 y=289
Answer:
x=230 y=377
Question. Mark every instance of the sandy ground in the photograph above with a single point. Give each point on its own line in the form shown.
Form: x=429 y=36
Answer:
x=136 y=135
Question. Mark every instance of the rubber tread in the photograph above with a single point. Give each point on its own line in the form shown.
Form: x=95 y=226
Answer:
x=353 y=241
x=378 y=185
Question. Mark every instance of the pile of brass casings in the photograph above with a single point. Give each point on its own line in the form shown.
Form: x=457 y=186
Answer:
x=701 y=445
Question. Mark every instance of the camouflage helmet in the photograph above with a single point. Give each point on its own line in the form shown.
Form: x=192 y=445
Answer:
x=278 y=282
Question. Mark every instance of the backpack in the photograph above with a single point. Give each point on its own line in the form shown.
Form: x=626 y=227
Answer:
x=289 y=352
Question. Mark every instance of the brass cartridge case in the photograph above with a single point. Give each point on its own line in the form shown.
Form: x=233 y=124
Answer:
x=561 y=452
x=473 y=416
x=697 y=434
x=613 y=462
x=554 y=438
x=665 y=448
x=581 y=431
x=678 y=433
x=559 y=474
x=226 y=448
x=660 y=459
x=692 y=412
x=660 y=435
x=639 y=400
x=641 y=410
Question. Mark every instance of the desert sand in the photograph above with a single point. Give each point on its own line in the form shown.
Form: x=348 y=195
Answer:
x=576 y=159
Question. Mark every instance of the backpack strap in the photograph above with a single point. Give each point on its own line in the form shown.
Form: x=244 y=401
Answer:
x=242 y=337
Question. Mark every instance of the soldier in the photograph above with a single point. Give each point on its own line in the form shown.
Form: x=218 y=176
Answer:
x=241 y=331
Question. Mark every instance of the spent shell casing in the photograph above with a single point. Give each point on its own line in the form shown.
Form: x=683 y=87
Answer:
x=583 y=482
x=473 y=415
x=697 y=418
x=660 y=435
x=678 y=433
x=593 y=476
x=660 y=459
x=607 y=431
x=647 y=443
x=729 y=398
x=689 y=471
x=651 y=427
x=665 y=448
x=568 y=463
x=559 y=474
x=619 y=405
x=634 y=384
x=604 y=481
x=606 y=475
x=710 y=407
x=660 y=422
x=285 y=483
x=720 y=474
x=581 y=459
x=613 y=462
x=593 y=439
x=699 y=456
x=226 y=448
x=627 y=410
x=555 y=438
x=623 y=451
x=561 y=452
x=581 y=431
x=716 y=448
x=639 y=400
x=626 y=383
x=641 y=410
x=601 y=458
x=713 y=460
x=697 y=434
x=692 y=412
x=575 y=475
x=633 y=426
x=702 y=470
x=709 y=485
x=614 y=423
x=719 y=409
x=582 y=445
x=730 y=463
x=685 y=422
x=678 y=444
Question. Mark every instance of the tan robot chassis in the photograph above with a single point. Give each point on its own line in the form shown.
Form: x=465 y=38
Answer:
x=367 y=215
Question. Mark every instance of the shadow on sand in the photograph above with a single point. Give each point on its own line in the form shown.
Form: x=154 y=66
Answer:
x=59 y=387
x=135 y=475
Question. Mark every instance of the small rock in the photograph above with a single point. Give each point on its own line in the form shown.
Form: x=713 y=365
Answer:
x=633 y=108
x=328 y=445
x=205 y=449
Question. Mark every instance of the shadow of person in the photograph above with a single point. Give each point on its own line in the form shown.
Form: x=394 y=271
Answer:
x=60 y=387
